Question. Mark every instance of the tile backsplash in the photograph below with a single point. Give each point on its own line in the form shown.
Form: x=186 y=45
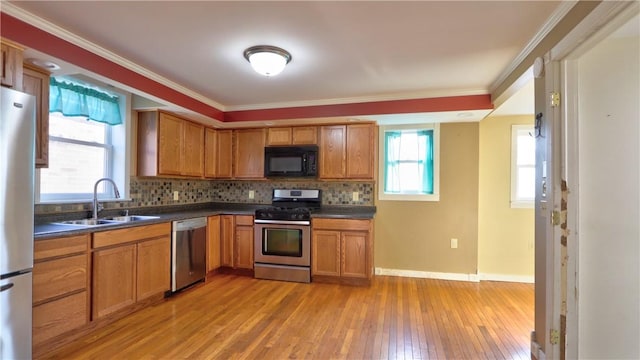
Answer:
x=150 y=192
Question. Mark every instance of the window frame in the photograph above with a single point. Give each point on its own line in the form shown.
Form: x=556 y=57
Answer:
x=436 y=163
x=119 y=137
x=516 y=202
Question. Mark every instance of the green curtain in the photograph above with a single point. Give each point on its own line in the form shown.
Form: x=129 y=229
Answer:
x=73 y=99
x=422 y=162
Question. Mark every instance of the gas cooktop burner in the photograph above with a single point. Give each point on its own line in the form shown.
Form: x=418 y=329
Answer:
x=283 y=213
x=291 y=204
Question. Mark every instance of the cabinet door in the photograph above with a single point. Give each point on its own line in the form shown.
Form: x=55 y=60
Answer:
x=114 y=279
x=360 y=151
x=153 y=267
x=11 y=66
x=332 y=151
x=58 y=277
x=59 y=316
x=224 y=151
x=249 y=153
x=210 y=153
x=243 y=247
x=304 y=135
x=279 y=136
x=325 y=253
x=36 y=83
x=354 y=254
x=169 y=144
x=213 y=242
x=193 y=149
x=227 y=234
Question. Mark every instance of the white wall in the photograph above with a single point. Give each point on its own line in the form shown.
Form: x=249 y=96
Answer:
x=609 y=200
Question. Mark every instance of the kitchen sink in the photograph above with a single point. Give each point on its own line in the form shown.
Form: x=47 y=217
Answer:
x=129 y=218
x=87 y=222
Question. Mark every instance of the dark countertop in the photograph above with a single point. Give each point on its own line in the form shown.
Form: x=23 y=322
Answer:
x=45 y=227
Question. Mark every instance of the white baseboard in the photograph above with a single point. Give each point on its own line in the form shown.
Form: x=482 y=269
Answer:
x=507 y=278
x=428 y=275
x=454 y=276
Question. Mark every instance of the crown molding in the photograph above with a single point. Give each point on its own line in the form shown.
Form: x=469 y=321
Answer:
x=83 y=43
x=560 y=12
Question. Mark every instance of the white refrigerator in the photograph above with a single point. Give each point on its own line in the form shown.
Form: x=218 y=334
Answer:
x=17 y=138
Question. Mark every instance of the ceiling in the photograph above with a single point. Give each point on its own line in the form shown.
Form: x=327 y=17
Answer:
x=343 y=51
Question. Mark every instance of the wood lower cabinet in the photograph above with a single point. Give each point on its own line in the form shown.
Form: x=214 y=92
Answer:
x=243 y=242
x=114 y=279
x=35 y=81
x=60 y=286
x=342 y=248
x=214 y=245
x=129 y=265
x=236 y=236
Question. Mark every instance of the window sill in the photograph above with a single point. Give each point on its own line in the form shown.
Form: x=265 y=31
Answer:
x=408 y=197
x=80 y=201
x=522 y=204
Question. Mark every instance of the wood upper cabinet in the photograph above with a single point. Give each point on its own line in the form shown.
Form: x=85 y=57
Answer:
x=218 y=152
x=297 y=135
x=169 y=145
x=347 y=151
x=333 y=151
x=11 y=65
x=213 y=243
x=193 y=149
x=248 y=157
x=360 y=151
x=60 y=286
x=130 y=265
x=36 y=82
x=342 y=248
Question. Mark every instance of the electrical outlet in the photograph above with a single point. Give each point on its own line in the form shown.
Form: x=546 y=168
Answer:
x=176 y=195
x=252 y=194
x=454 y=243
x=355 y=196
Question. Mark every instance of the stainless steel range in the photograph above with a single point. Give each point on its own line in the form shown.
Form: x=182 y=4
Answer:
x=282 y=248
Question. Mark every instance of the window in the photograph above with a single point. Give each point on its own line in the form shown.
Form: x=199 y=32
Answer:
x=83 y=150
x=523 y=166
x=410 y=163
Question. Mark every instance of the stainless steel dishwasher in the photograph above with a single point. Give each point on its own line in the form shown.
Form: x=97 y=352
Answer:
x=188 y=254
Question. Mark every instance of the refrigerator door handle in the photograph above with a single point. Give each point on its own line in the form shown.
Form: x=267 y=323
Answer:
x=6 y=287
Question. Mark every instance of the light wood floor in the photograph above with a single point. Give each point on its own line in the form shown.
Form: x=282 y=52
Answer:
x=399 y=318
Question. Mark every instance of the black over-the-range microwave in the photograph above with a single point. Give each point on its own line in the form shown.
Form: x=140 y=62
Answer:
x=291 y=161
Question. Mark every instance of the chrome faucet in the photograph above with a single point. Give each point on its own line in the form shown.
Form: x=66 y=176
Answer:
x=96 y=206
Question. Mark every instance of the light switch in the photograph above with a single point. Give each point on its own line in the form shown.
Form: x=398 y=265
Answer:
x=252 y=194
x=355 y=196
x=176 y=195
x=454 y=243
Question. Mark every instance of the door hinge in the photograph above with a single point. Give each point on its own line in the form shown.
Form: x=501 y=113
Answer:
x=554 y=337
x=555 y=99
x=555 y=218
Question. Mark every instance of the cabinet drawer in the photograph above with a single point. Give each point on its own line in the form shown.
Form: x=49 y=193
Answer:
x=43 y=249
x=58 y=277
x=244 y=220
x=57 y=317
x=341 y=224
x=121 y=236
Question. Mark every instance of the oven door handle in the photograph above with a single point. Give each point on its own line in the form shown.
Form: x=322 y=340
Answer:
x=282 y=222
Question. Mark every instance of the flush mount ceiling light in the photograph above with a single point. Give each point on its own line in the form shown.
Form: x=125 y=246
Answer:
x=267 y=60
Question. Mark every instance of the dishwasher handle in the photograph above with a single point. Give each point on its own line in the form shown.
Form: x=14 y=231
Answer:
x=189 y=224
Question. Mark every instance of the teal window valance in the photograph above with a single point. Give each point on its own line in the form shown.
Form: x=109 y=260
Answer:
x=74 y=99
